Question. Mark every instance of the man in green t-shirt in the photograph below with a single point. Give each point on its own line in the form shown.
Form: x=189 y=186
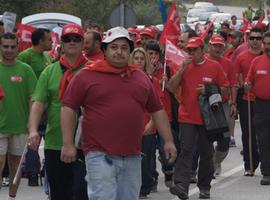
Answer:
x=36 y=56
x=38 y=59
x=50 y=89
x=18 y=81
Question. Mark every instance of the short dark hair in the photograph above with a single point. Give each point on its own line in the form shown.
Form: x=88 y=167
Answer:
x=191 y=33
x=38 y=35
x=8 y=36
x=96 y=35
x=1 y=23
x=256 y=30
x=153 y=45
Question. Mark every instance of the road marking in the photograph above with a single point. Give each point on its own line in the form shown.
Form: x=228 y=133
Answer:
x=217 y=180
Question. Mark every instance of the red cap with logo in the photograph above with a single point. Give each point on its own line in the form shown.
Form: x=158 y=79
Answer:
x=195 y=42
x=72 y=29
x=147 y=31
x=217 y=39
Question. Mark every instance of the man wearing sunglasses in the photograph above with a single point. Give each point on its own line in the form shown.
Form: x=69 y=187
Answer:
x=114 y=96
x=50 y=89
x=258 y=79
x=242 y=64
x=195 y=73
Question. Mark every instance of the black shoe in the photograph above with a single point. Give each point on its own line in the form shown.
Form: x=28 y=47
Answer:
x=193 y=178
x=180 y=191
x=204 y=194
x=265 y=180
x=169 y=180
x=33 y=180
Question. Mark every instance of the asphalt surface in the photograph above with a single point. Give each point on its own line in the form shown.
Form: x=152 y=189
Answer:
x=230 y=185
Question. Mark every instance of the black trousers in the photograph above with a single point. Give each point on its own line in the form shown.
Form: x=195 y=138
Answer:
x=189 y=133
x=60 y=176
x=262 y=125
x=243 y=113
x=148 y=163
x=66 y=181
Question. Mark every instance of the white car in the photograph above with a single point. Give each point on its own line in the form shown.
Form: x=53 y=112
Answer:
x=202 y=4
x=198 y=15
x=220 y=17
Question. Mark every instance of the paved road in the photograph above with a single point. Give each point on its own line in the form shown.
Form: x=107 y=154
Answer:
x=231 y=185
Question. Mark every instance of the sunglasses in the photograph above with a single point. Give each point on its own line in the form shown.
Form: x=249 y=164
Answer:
x=255 y=38
x=68 y=39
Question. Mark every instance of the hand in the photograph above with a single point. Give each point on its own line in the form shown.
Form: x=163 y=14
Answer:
x=233 y=111
x=68 y=153
x=201 y=89
x=187 y=61
x=33 y=140
x=170 y=151
x=247 y=86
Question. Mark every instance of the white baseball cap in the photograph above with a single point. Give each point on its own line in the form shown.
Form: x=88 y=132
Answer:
x=116 y=33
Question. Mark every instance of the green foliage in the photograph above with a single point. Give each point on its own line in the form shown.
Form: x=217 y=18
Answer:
x=147 y=11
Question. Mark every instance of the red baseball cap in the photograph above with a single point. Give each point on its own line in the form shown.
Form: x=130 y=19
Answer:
x=217 y=39
x=147 y=31
x=132 y=30
x=194 y=42
x=72 y=29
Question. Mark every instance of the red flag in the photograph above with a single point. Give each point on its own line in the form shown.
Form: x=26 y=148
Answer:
x=55 y=38
x=171 y=29
x=246 y=24
x=208 y=27
x=24 y=36
x=174 y=56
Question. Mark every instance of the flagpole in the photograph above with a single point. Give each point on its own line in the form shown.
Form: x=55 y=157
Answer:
x=164 y=70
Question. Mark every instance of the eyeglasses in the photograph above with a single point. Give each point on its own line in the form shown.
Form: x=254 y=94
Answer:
x=68 y=39
x=255 y=38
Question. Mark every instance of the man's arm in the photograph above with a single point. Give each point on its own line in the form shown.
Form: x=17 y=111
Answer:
x=68 y=124
x=36 y=112
x=175 y=80
x=162 y=123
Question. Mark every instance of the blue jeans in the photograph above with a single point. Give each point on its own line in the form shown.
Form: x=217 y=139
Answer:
x=113 y=177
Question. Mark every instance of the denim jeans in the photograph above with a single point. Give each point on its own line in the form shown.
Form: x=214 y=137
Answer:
x=113 y=177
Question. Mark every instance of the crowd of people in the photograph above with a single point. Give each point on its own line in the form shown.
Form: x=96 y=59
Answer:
x=109 y=100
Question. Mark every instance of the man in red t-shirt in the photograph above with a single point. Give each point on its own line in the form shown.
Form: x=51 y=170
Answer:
x=242 y=67
x=114 y=96
x=258 y=78
x=195 y=73
x=92 y=42
x=215 y=49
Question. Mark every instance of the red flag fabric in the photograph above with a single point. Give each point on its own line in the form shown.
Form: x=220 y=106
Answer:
x=246 y=24
x=205 y=32
x=24 y=36
x=173 y=54
x=55 y=38
x=171 y=30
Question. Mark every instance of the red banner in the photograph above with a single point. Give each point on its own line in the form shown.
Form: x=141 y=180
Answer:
x=171 y=29
x=55 y=38
x=24 y=36
x=174 y=56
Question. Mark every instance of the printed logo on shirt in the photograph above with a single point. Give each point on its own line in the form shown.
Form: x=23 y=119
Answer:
x=261 y=72
x=207 y=79
x=16 y=79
